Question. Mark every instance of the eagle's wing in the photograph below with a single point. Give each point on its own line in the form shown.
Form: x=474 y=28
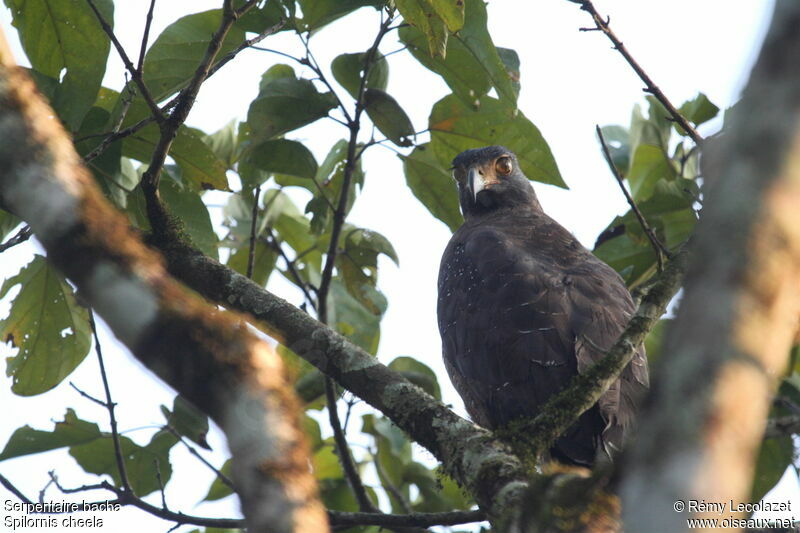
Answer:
x=514 y=322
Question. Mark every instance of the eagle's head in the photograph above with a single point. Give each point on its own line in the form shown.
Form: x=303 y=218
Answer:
x=489 y=179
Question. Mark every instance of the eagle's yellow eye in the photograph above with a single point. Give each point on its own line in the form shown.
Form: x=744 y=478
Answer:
x=504 y=166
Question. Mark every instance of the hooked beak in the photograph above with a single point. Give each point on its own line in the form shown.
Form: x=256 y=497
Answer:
x=475 y=183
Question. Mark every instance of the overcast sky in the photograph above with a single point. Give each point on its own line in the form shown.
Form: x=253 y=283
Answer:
x=570 y=80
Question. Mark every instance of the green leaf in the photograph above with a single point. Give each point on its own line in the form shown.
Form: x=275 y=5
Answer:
x=389 y=117
x=774 y=458
x=352 y=319
x=47 y=325
x=653 y=130
x=66 y=36
x=476 y=38
x=285 y=103
x=326 y=464
x=432 y=185
x=143 y=464
x=633 y=260
x=263 y=261
x=417 y=373
x=358 y=265
x=219 y=489
x=174 y=56
x=619 y=147
x=258 y=19
x=421 y=15
x=328 y=187
x=349 y=68
x=458 y=68
x=699 y=110
x=456 y=127
x=282 y=156
x=225 y=143
x=655 y=339
x=510 y=59
x=187 y=420
x=319 y=13
x=451 y=12
x=649 y=165
x=69 y=432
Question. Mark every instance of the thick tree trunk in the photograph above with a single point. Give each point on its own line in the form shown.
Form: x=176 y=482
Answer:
x=739 y=316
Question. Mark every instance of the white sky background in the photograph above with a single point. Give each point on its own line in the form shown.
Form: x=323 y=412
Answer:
x=570 y=82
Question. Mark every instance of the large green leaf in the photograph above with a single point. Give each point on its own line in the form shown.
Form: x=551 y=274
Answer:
x=389 y=117
x=187 y=421
x=219 y=489
x=417 y=373
x=649 y=165
x=421 y=15
x=348 y=69
x=451 y=12
x=263 y=261
x=357 y=264
x=432 y=185
x=65 y=35
x=352 y=319
x=456 y=127
x=147 y=467
x=773 y=459
x=282 y=156
x=69 y=432
x=318 y=13
x=285 y=103
x=47 y=325
x=328 y=187
x=698 y=110
x=174 y=56
x=475 y=38
x=266 y=16
x=225 y=143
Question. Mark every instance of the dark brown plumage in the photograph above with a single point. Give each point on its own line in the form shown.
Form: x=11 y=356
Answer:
x=523 y=307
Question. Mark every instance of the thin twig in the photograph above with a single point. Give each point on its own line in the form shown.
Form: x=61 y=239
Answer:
x=160 y=484
x=273 y=242
x=650 y=87
x=21 y=236
x=364 y=503
x=134 y=72
x=145 y=36
x=110 y=405
x=322 y=293
x=13 y=489
x=337 y=518
x=661 y=251
x=251 y=254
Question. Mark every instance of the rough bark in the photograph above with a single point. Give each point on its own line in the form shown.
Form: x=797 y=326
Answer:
x=208 y=356
x=740 y=313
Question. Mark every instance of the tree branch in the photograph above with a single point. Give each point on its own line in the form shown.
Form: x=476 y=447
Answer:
x=650 y=87
x=739 y=315
x=208 y=356
x=661 y=251
x=21 y=236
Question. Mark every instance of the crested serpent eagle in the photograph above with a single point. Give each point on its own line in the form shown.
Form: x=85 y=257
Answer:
x=523 y=308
